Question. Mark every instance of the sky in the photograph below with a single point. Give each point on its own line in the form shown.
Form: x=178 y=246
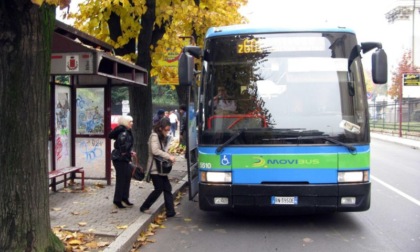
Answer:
x=366 y=17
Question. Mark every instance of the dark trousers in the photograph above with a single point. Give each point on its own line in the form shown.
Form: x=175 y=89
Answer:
x=161 y=184
x=123 y=179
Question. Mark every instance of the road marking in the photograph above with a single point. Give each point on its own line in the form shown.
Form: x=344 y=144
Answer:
x=412 y=199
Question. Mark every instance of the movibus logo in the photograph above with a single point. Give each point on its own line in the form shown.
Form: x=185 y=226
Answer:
x=261 y=162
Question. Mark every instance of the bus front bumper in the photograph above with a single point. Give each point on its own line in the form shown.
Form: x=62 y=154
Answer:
x=310 y=198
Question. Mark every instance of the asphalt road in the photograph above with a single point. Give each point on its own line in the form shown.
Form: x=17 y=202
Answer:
x=392 y=223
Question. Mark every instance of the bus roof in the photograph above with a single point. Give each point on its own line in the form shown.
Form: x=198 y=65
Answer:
x=250 y=29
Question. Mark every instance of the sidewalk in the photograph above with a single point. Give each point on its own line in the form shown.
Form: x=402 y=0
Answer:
x=93 y=207
x=412 y=143
x=93 y=212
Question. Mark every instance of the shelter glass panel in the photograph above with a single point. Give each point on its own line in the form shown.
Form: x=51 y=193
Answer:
x=90 y=153
x=90 y=111
x=62 y=126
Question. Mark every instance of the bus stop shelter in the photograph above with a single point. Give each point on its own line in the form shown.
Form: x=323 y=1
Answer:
x=83 y=73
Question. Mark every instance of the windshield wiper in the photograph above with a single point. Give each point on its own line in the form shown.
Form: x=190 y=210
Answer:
x=350 y=147
x=233 y=137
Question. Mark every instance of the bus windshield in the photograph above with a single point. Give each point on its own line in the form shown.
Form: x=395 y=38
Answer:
x=287 y=88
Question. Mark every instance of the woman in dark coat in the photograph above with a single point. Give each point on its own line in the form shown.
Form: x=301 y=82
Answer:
x=121 y=158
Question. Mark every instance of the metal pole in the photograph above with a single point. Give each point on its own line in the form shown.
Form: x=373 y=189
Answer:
x=401 y=92
x=413 y=39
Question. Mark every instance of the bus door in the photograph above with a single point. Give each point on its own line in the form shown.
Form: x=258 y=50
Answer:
x=192 y=143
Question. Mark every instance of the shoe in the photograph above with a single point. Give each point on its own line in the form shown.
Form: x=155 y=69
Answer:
x=172 y=215
x=118 y=204
x=128 y=203
x=146 y=211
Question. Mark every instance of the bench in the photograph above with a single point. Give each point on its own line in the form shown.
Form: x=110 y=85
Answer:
x=63 y=172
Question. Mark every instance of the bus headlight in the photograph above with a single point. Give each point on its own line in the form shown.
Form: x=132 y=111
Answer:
x=217 y=177
x=353 y=176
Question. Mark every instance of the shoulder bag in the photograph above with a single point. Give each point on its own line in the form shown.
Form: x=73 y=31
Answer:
x=163 y=165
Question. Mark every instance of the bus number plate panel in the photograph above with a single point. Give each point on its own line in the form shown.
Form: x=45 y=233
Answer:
x=276 y=200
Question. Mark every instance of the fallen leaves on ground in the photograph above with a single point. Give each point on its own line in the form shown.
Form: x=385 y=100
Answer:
x=144 y=237
x=76 y=241
x=178 y=199
x=157 y=223
x=99 y=185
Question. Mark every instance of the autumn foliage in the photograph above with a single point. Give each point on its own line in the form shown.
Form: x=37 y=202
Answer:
x=176 y=17
x=404 y=66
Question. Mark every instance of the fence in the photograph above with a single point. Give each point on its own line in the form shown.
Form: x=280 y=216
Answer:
x=391 y=118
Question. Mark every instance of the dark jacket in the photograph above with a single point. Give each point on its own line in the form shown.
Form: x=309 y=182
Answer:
x=123 y=143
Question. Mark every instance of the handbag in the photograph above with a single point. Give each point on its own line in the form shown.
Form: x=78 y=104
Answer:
x=163 y=166
x=137 y=172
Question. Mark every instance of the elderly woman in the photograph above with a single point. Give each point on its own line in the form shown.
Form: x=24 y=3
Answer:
x=158 y=144
x=121 y=158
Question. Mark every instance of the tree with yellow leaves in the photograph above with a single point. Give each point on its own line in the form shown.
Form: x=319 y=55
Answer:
x=25 y=52
x=144 y=31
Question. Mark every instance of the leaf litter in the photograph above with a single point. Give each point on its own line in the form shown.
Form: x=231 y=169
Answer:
x=145 y=237
x=77 y=241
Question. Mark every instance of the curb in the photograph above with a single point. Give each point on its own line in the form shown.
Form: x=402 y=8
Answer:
x=126 y=239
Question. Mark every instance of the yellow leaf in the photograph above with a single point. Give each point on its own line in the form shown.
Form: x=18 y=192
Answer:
x=92 y=245
x=154 y=226
x=56 y=209
x=187 y=220
x=122 y=227
x=100 y=185
x=74 y=242
x=149 y=233
x=82 y=224
x=38 y=2
x=142 y=238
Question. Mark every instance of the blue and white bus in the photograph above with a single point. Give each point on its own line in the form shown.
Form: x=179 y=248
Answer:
x=296 y=139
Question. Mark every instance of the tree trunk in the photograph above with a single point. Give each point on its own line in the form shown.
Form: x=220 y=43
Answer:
x=115 y=31
x=25 y=52
x=141 y=97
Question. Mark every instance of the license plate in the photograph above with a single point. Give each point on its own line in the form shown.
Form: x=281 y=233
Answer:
x=275 y=200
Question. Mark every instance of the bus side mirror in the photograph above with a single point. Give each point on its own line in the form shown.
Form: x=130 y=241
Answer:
x=186 y=65
x=379 y=67
x=185 y=69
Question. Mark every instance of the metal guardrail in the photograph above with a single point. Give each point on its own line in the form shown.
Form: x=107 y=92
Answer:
x=391 y=118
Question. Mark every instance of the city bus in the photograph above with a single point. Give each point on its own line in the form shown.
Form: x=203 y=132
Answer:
x=296 y=139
